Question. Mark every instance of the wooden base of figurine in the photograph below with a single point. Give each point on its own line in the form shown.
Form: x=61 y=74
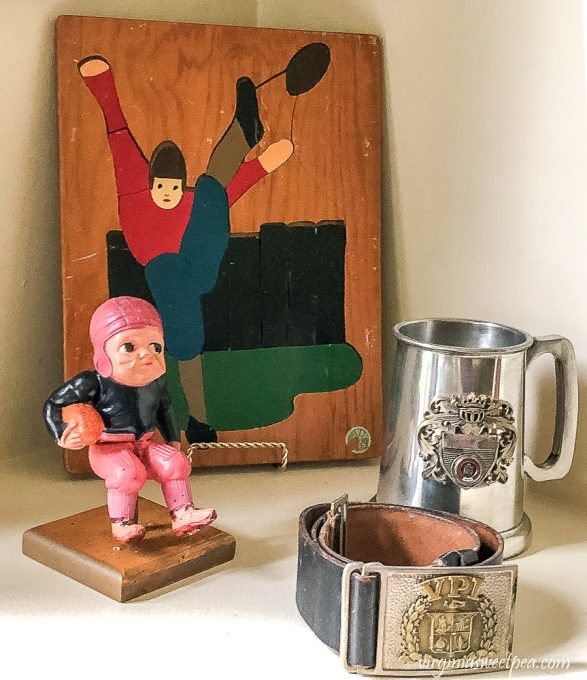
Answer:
x=81 y=547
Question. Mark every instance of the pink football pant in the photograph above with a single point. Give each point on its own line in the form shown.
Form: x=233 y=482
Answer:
x=125 y=464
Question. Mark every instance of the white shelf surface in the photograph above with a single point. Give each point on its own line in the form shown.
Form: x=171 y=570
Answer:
x=240 y=620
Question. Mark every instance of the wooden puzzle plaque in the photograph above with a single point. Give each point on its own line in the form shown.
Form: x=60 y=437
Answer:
x=264 y=261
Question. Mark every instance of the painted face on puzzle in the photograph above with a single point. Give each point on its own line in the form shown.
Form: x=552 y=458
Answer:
x=137 y=356
x=166 y=192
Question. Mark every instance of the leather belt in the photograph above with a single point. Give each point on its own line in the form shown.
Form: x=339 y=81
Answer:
x=400 y=590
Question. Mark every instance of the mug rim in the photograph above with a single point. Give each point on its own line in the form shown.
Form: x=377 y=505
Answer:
x=455 y=349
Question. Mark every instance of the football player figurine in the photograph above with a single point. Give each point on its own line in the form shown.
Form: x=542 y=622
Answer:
x=116 y=410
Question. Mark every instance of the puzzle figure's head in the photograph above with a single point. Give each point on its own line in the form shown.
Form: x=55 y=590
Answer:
x=127 y=336
x=167 y=175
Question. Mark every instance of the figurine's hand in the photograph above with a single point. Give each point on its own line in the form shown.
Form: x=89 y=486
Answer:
x=70 y=439
x=176 y=445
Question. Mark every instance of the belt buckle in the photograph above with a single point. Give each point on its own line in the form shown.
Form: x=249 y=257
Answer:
x=452 y=620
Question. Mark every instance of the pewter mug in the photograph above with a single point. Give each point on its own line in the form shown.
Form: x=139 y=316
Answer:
x=454 y=437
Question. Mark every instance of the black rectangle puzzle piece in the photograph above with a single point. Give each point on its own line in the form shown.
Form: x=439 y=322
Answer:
x=274 y=290
x=244 y=293
x=330 y=254
x=302 y=284
x=125 y=275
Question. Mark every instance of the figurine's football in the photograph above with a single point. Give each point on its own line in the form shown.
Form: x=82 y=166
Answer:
x=88 y=422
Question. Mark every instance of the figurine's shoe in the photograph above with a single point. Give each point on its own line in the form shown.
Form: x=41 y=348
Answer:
x=127 y=532
x=187 y=520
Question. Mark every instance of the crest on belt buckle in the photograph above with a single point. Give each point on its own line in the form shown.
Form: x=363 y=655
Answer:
x=468 y=439
x=450 y=620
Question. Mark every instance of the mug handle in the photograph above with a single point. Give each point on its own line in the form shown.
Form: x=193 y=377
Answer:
x=559 y=461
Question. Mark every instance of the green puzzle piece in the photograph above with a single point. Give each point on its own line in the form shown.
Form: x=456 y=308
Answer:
x=245 y=389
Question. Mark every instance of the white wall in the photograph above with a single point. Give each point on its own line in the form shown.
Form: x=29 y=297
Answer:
x=485 y=164
x=485 y=169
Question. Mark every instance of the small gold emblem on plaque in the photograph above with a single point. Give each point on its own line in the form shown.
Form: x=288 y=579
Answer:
x=449 y=620
x=362 y=437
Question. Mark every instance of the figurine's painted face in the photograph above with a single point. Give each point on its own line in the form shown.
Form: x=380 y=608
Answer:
x=166 y=192
x=136 y=355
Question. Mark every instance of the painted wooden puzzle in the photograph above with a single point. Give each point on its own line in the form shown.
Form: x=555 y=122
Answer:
x=230 y=176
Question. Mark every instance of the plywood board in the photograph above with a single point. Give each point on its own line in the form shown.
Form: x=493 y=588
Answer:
x=292 y=330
